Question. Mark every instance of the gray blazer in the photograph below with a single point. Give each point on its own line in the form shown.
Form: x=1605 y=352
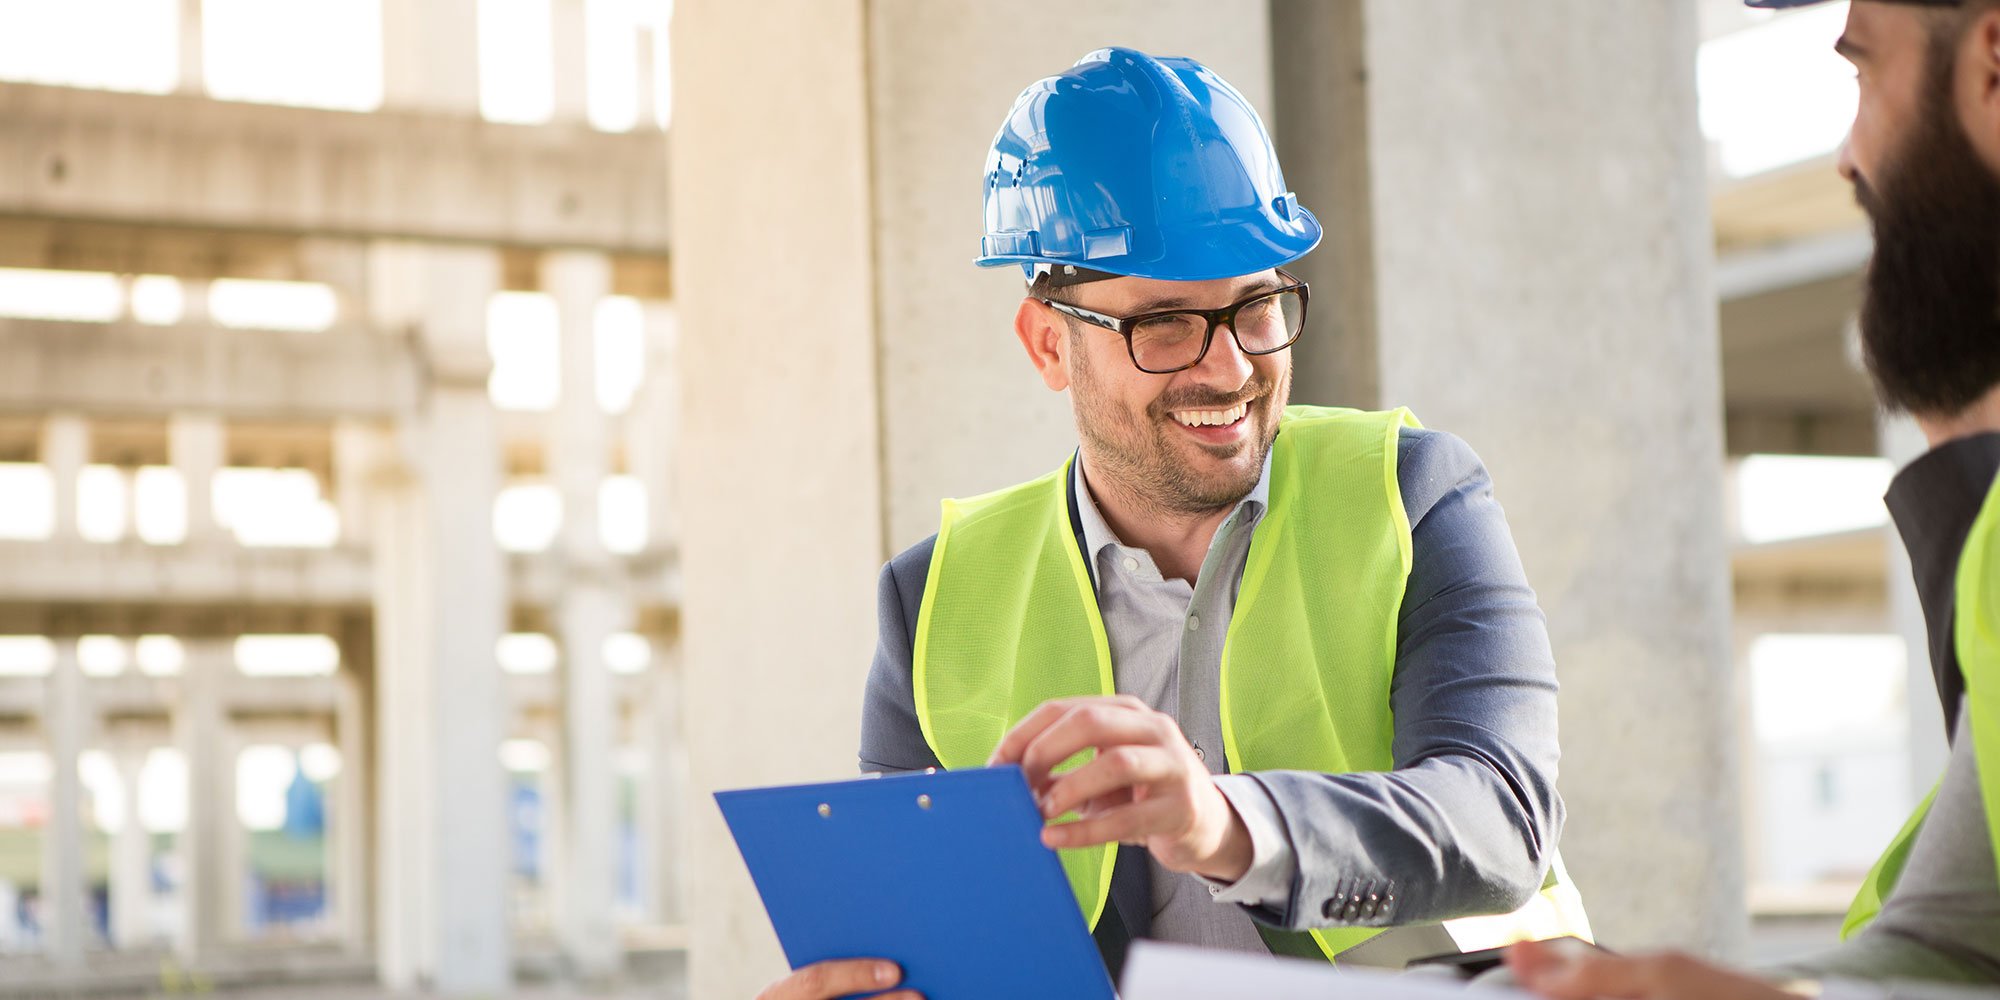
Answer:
x=1467 y=820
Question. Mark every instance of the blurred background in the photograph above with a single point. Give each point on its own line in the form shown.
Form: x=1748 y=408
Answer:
x=441 y=440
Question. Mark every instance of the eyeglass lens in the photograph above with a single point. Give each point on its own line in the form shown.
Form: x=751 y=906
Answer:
x=1174 y=340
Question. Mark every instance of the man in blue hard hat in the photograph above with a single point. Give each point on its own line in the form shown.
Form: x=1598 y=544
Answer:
x=1924 y=158
x=1292 y=647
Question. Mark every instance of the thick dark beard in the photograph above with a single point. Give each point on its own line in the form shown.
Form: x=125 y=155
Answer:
x=1140 y=463
x=1930 y=319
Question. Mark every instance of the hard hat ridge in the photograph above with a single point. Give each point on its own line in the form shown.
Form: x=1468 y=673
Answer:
x=1136 y=165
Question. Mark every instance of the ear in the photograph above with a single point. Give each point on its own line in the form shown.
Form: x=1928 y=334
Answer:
x=1046 y=338
x=1979 y=86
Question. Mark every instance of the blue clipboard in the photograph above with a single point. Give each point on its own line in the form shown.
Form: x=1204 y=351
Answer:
x=943 y=873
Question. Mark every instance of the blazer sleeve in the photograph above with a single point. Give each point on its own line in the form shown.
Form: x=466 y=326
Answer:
x=891 y=740
x=1466 y=821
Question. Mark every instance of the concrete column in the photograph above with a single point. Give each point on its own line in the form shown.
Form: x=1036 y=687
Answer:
x=347 y=821
x=440 y=606
x=357 y=454
x=430 y=56
x=570 y=63
x=194 y=301
x=873 y=380
x=198 y=446
x=645 y=40
x=590 y=610
x=1520 y=251
x=662 y=812
x=66 y=723
x=653 y=424
x=1901 y=443
x=131 y=859
x=65 y=450
x=212 y=885
x=193 y=75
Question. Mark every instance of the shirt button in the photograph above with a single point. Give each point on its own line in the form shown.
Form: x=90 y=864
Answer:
x=1131 y=564
x=1199 y=753
x=1194 y=622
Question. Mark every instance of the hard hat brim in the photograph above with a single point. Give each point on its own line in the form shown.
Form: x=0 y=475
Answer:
x=1199 y=254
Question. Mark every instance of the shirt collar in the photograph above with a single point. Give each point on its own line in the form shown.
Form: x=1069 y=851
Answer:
x=1097 y=533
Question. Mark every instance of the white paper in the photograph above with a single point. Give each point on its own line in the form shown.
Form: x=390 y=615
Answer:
x=1155 y=971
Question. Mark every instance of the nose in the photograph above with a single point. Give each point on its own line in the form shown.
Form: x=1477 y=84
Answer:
x=1225 y=365
x=1844 y=159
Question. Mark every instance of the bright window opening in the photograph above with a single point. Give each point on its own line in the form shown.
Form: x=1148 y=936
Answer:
x=526 y=517
x=274 y=508
x=159 y=655
x=522 y=337
x=103 y=789
x=241 y=303
x=263 y=774
x=26 y=656
x=621 y=514
x=526 y=653
x=320 y=762
x=101 y=655
x=161 y=515
x=516 y=64
x=1799 y=496
x=621 y=351
x=74 y=296
x=131 y=45
x=627 y=653
x=158 y=300
x=102 y=496
x=526 y=756
x=310 y=53
x=1777 y=93
x=163 y=791
x=286 y=655
x=27 y=501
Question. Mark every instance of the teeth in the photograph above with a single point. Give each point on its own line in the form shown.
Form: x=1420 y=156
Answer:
x=1212 y=418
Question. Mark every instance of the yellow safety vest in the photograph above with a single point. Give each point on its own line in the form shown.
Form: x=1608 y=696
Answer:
x=1010 y=620
x=1975 y=635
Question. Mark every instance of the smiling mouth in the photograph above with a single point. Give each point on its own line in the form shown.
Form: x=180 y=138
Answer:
x=1211 y=418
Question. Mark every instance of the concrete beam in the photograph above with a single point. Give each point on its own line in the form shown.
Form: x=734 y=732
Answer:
x=230 y=575
x=176 y=159
x=1757 y=270
x=125 y=369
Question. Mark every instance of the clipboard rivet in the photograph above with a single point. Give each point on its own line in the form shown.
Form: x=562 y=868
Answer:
x=923 y=802
x=825 y=811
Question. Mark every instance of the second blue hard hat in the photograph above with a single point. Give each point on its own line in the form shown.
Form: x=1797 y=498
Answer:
x=1132 y=165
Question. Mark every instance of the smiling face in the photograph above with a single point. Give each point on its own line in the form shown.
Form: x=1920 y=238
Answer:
x=1188 y=442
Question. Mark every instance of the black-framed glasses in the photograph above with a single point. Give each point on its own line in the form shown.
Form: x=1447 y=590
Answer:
x=1173 y=340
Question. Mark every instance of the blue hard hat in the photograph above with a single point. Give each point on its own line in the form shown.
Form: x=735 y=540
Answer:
x=1132 y=165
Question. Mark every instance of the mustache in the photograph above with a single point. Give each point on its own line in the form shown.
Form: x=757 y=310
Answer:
x=1207 y=398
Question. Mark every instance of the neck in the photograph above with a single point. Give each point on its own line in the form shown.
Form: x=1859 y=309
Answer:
x=1982 y=417
x=1177 y=540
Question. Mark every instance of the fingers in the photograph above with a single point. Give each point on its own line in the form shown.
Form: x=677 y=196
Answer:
x=1015 y=743
x=1112 y=773
x=1097 y=725
x=837 y=978
x=1126 y=824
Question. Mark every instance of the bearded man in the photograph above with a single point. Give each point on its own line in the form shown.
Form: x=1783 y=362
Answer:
x=1924 y=159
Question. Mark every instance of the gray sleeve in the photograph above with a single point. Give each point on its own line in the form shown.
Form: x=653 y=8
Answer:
x=1942 y=922
x=1465 y=823
x=891 y=740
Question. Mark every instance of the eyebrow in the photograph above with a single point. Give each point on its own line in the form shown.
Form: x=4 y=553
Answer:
x=1169 y=302
x=1849 y=48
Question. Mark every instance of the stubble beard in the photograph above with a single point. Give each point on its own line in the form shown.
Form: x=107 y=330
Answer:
x=1142 y=457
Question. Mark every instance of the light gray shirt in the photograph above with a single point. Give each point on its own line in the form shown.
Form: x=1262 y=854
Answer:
x=1166 y=637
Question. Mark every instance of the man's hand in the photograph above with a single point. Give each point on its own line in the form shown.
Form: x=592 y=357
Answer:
x=1144 y=786
x=1570 y=970
x=827 y=980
